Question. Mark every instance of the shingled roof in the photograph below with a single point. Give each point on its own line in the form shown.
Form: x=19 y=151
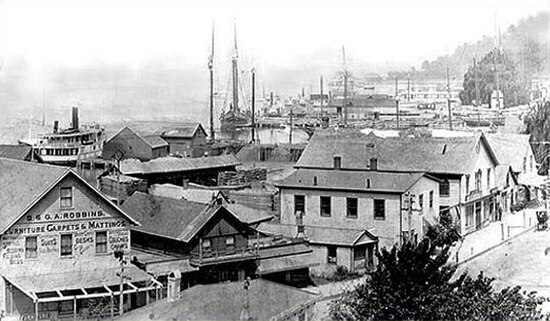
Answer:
x=24 y=183
x=449 y=155
x=153 y=141
x=351 y=180
x=20 y=152
x=510 y=149
x=183 y=131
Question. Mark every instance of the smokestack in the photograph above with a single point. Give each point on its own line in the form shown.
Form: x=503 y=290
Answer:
x=75 y=118
x=55 y=126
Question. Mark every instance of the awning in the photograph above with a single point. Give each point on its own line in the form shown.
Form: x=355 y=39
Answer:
x=82 y=284
x=164 y=268
x=282 y=264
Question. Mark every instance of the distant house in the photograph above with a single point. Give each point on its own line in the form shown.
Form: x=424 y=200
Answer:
x=258 y=300
x=465 y=167
x=19 y=152
x=132 y=145
x=347 y=214
x=215 y=244
x=187 y=139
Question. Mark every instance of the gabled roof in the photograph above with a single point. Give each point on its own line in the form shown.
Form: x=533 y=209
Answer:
x=20 y=152
x=501 y=172
x=510 y=149
x=183 y=131
x=25 y=183
x=389 y=182
x=152 y=141
x=449 y=155
x=162 y=216
x=176 y=164
x=224 y=301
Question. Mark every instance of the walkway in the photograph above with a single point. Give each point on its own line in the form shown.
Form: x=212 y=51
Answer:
x=493 y=235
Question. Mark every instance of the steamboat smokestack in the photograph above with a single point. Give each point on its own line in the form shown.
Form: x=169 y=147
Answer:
x=55 y=126
x=75 y=118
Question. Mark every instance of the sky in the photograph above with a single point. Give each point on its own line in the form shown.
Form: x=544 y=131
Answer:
x=280 y=33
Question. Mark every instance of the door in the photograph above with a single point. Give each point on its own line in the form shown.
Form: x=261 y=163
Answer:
x=478 y=215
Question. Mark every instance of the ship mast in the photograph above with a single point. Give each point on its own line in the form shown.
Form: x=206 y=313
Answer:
x=345 y=100
x=211 y=69
x=235 y=72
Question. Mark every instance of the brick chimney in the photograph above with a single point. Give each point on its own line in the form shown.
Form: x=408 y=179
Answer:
x=174 y=284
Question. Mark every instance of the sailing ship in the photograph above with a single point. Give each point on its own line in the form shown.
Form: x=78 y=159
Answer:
x=67 y=146
x=235 y=117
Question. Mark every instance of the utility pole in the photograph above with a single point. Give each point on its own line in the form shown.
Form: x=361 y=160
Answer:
x=449 y=101
x=476 y=83
x=397 y=101
x=408 y=89
x=235 y=72
x=321 y=90
x=345 y=87
x=290 y=133
x=118 y=156
x=211 y=68
x=119 y=254
x=253 y=131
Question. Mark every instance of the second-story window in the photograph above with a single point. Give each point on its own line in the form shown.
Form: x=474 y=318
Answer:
x=478 y=180
x=467 y=183
x=66 y=244
x=206 y=246
x=230 y=244
x=31 y=247
x=66 y=197
x=351 y=207
x=444 y=188
x=379 y=210
x=299 y=204
x=101 y=242
x=488 y=178
x=431 y=199
x=421 y=201
x=524 y=164
x=325 y=206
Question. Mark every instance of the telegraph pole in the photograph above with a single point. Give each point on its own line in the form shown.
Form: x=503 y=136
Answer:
x=345 y=87
x=321 y=89
x=211 y=69
x=449 y=101
x=397 y=101
x=290 y=133
x=476 y=83
x=253 y=131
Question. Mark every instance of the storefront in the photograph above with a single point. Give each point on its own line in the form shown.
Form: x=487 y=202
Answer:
x=58 y=237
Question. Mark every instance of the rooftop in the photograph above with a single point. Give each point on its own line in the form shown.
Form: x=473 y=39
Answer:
x=510 y=149
x=183 y=131
x=224 y=301
x=176 y=164
x=20 y=152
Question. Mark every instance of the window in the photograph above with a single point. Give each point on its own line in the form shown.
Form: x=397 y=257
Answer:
x=325 y=206
x=299 y=204
x=66 y=197
x=379 y=209
x=359 y=253
x=421 y=201
x=31 y=247
x=524 y=164
x=66 y=244
x=478 y=180
x=444 y=188
x=531 y=163
x=337 y=162
x=431 y=199
x=230 y=244
x=351 y=204
x=331 y=254
x=206 y=246
x=101 y=242
x=470 y=215
x=488 y=178
x=467 y=184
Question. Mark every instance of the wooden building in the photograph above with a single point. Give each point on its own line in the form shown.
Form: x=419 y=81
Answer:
x=212 y=244
x=58 y=236
x=20 y=152
x=130 y=144
x=188 y=140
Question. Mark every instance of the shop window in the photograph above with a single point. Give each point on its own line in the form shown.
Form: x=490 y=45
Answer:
x=101 y=242
x=331 y=254
x=230 y=244
x=351 y=205
x=31 y=247
x=444 y=188
x=325 y=206
x=469 y=215
x=299 y=204
x=379 y=209
x=66 y=244
x=66 y=197
x=431 y=199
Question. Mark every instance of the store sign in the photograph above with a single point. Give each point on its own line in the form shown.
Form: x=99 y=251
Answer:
x=65 y=227
x=68 y=215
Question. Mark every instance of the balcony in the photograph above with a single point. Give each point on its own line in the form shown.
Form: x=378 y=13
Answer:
x=212 y=257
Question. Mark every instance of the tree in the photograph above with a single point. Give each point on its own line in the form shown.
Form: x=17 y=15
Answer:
x=537 y=124
x=414 y=282
x=495 y=70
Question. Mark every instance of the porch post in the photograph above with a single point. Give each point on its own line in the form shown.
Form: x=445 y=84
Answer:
x=36 y=310
x=74 y=308
x=112 y=306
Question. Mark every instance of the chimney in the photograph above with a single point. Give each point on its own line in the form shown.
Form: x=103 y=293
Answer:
x=185 y=183
x=75 y=118
x=174 y=284
x=374 y=164
x=55 y=126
